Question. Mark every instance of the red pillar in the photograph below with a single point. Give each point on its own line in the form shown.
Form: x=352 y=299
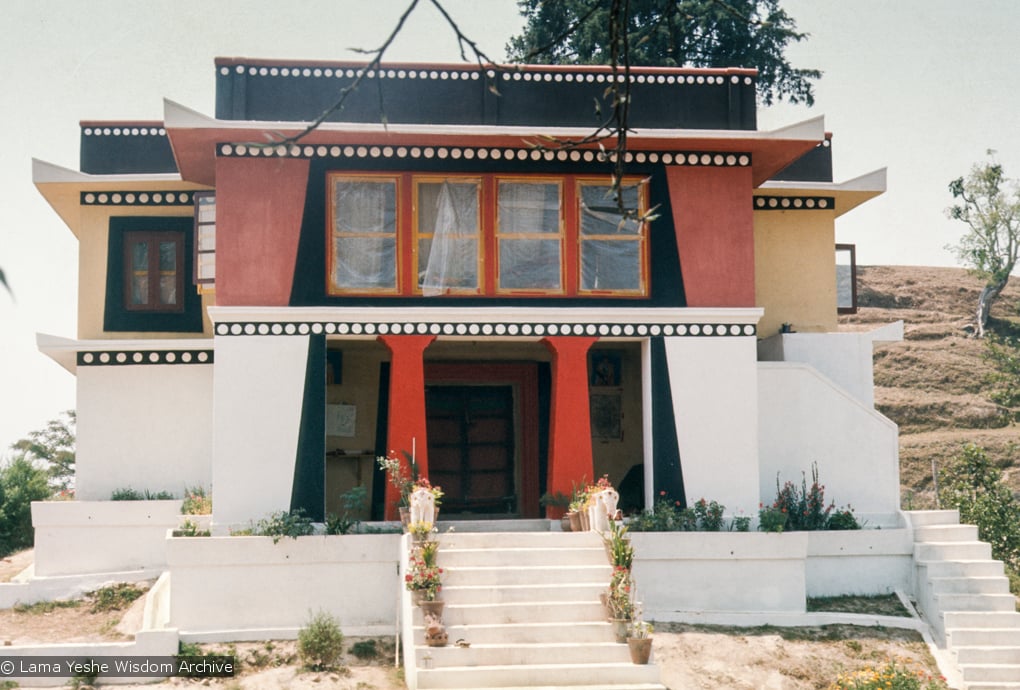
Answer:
x=406 y=423
x=570 y=453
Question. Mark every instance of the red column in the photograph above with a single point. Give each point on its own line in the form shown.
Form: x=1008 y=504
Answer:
x=406 y=423
x=570 y=453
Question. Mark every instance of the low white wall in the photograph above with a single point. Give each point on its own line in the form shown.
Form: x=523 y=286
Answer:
x=250 y=588
x=872 y=561
x=680 y=572
x=805 y=418
x=143 y=427
x=75 y=537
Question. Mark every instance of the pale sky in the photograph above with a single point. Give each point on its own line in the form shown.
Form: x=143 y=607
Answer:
x=923 y=87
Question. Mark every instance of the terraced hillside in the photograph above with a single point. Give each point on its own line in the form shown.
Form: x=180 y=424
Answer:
x=933 y=384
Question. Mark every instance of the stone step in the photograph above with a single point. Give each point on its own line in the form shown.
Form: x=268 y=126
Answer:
x=990 y=673
x=982 y=637
x=503 y=576
x=529 y=633
x=515 y=540
x=969 y=585
x=523 y=593
x=523 y=556
x=982 y=619
x=987 y=655
x=975 y=602
x=953 y=551
x=963 y=568
x=500 y=654
x=491 y=525
x=529 y=675
x=545 y=612
x=944 y=533
x=993 y=686
x=923 y=518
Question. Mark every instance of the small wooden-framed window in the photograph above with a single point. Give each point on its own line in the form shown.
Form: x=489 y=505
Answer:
x=205 y=238
x=154 y=271
x=529 y=235
x=362 y=256
x=447 y=235
x=613 y=244
x=846 y=278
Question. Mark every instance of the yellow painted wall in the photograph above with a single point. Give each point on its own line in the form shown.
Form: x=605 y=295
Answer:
x=795 y=270
x=93 y=244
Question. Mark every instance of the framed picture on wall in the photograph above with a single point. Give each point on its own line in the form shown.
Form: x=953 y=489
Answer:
x=606 y=416
x=605 y=369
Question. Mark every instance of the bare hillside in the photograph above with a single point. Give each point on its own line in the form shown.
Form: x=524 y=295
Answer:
x=933 y=384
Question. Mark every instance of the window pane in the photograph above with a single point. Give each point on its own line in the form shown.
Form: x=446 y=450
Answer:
x=448 y=231
x=140 y=288
x=167 y=256
x=168 y=289
x=610 y=265
x=529 y=208
x=365 y=262
x=365 y=207
x=529 y=264
x=140 y=256
x=207 y=238
x=600 y=214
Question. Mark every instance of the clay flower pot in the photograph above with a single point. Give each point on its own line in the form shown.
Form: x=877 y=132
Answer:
x=640 y=649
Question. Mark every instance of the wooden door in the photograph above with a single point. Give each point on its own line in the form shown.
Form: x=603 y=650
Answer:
x=471 y=439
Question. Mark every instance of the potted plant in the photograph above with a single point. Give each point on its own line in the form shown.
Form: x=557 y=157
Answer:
x=421 y=530
x=639 y=641
x=424 y=581
x=620 y=601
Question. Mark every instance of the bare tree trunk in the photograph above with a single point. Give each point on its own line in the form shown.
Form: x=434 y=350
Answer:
x=988 y=295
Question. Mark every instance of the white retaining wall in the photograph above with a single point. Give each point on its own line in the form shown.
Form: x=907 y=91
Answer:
x=234 y=588
x=76 y=537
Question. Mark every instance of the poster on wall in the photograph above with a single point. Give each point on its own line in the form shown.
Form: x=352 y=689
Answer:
x=340 y=419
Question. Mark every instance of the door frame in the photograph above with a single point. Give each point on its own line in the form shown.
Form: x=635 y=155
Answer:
x=523 y=376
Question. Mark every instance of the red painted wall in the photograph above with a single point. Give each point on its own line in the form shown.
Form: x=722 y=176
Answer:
x=259 y=206
x=712 y=215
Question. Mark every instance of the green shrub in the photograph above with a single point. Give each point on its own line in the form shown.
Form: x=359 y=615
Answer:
x=892 y=676
x=21 y=482
x=321 y=643
x=129 y=494
x=352 y=504
x=772 y=519
x=804 y=508
x=365 y=649
x=975 y=487
x=284 y=523
x=114 y=597
x=709 y=515
x=190 y=529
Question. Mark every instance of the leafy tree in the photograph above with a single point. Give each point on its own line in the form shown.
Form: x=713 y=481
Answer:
x=21 y=482
x=668 y=33
x=989 y=203
x=1003 y=353
x=975 y=487
x=54 y=448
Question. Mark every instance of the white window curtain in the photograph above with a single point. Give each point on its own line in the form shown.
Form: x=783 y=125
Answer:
x=364 y=237
x=529 y=230
x=610 y=241
x=453 y=254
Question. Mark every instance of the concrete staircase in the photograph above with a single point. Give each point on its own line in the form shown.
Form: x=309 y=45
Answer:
x=528 y=605
x=965 y=597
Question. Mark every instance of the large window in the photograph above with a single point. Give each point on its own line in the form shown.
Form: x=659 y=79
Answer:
x=612 y=239
x=363 y=255
x=485 y=235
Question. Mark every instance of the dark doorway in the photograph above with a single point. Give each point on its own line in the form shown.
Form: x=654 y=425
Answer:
x=472 y=449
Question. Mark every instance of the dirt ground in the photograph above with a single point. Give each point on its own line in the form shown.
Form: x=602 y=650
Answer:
x=689 y=657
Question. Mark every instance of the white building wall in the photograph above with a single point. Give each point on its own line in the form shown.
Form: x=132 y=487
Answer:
x=715 y=401
x=806 y=418
x=145 y=427
x=259 y=393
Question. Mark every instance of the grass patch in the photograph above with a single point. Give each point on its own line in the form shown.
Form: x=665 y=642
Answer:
x=114 y=597
x=882 y=605
x=41 y=607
